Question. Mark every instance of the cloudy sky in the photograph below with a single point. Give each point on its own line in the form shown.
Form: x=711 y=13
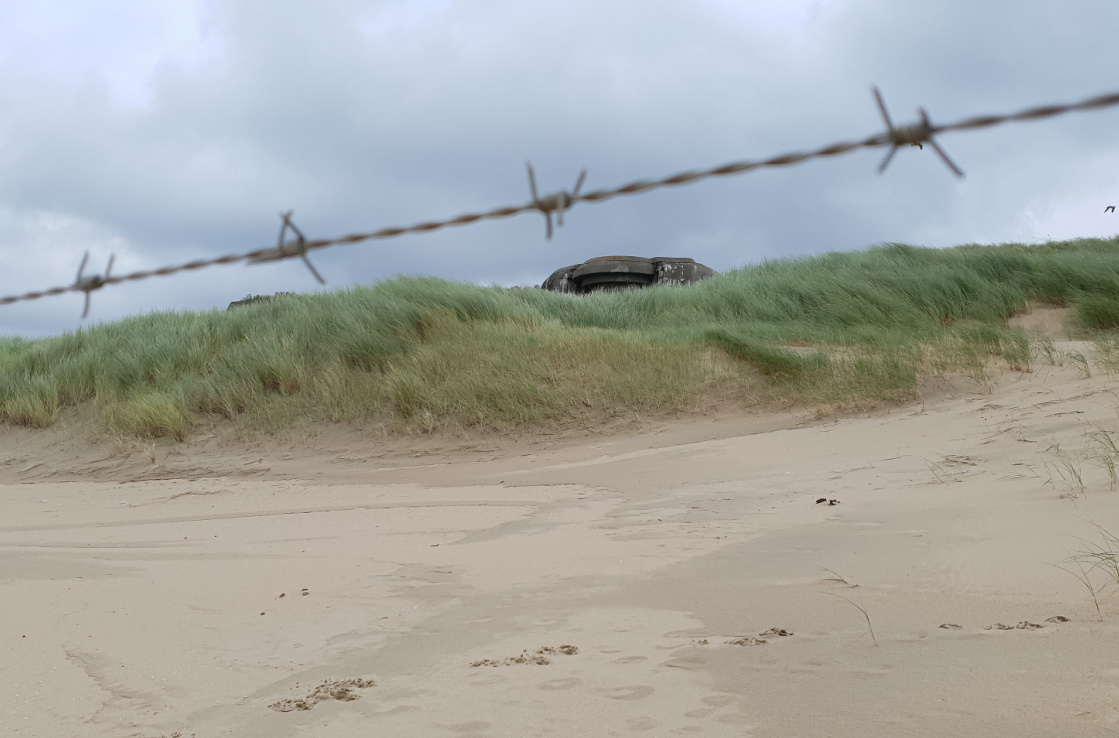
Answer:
x=170 y=131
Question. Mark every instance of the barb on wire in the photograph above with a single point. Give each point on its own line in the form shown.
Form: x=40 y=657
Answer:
x=1109 y=209
x=912 y=135
x=87 y=285
x=557 y=202
x=287 y=249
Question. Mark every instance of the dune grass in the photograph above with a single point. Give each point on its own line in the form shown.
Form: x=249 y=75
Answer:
x=427 y=354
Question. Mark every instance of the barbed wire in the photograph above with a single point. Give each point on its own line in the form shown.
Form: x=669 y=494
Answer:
x=558 y=203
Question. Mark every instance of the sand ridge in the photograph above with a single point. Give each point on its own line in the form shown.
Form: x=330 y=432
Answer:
x=680 y=580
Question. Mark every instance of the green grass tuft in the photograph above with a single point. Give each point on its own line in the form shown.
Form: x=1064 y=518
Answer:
x=1098 y=312
x=150 y=414
x=771 y=361
x=28 y=401
x=423 y=354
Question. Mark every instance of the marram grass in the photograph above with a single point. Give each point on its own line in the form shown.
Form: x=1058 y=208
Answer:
x=427 y=354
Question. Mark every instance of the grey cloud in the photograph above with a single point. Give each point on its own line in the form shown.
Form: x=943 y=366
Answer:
x=360 y=115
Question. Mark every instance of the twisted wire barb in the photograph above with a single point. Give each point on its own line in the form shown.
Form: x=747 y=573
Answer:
x=288 y=249
x=559 y=202
x=86 y=284
x=915 y=135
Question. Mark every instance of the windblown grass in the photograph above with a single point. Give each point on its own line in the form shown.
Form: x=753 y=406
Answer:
x=1097 y=557
x=426 y=354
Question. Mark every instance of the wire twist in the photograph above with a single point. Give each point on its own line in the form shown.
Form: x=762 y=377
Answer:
x=557 y=202
x=91 y=283
x=287 y=249
x=916 y=134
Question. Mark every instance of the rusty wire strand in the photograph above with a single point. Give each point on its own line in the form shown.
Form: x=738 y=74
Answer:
x=86 y=284
x=913 y=135
x=559 y=202
x=288 y=249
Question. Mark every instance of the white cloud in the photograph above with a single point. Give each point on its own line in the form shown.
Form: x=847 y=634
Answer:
x=117 y=44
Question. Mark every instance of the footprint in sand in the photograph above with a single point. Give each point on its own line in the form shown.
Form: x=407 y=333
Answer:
x=715 y=703
x=480 y=680
x=474 y=726
x=631 y=659
x=1024 y=625
x=540 y=657
x=341 y=690
x=719 y=700
x=638 y=692
x=642 y=723
x=555 y=684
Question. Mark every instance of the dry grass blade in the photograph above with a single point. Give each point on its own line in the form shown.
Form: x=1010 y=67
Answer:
x=1083 y=577
x=1105 y=453
x=1102 y=557
x=1068 y=469
x=861 y=609
x=836 y=577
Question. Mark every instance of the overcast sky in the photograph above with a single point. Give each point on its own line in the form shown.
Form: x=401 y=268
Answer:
x=170 y=131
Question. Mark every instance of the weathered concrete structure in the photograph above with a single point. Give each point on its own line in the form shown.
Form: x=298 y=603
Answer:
x=625 y=272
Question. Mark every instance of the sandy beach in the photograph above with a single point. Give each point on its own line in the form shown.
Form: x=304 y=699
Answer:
x=891 y=573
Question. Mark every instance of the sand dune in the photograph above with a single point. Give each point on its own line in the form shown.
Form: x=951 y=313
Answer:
x=680 y=580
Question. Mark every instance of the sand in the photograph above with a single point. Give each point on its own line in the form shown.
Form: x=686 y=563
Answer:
x=677 y=578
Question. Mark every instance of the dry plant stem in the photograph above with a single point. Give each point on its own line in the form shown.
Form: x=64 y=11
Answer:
x=836 y=577
x=1086 y=580
x=1105 y=556
x=1105 y=453
x=933 y=468
x=860 y=608
x=1068 y=469
x=1081 y=363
